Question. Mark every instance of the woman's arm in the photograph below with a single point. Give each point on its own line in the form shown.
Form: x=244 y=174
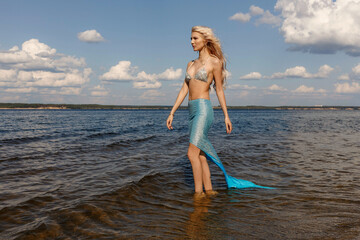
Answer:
x=180 y=98
x=217 y=71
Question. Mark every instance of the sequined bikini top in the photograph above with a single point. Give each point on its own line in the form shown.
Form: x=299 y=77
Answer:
x=201 y=74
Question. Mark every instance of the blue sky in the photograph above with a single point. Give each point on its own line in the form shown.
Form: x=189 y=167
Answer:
x=283 y=52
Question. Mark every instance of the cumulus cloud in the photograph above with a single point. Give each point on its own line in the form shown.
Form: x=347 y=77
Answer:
x=255 y=10
x=268 y=18
x=145 y=84
x=7 y=74
x=355 y=73
x=251 y=76
x=321 y=26
x=275 y=87
x=354 y=87
x=21 y=90
x=239 y=86
x=227 y=74
x=123 y=71
x=300 y=72
x=306 y=89
x=356 y=70
x=170 y=74
x=344 y=77
x=242 y=17
x=90 y=36
x=265 y=17
x=70 y=91
x=99 y=91
x=36 y=64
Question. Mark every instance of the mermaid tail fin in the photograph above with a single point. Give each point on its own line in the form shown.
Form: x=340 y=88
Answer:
x=240 y=183
x=231 y=181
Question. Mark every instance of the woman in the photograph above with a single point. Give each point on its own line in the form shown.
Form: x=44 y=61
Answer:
x=200 y=73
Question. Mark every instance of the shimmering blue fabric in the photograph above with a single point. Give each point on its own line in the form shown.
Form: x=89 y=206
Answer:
x=201 y=116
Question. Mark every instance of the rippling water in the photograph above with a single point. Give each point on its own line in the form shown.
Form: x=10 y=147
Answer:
x=119 y=174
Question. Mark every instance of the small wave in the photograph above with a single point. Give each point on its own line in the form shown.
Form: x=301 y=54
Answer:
x=129 y=142
x=30 y=171
x=23 y=140
x=102 y=135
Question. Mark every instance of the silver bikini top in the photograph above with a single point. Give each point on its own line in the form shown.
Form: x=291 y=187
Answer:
x=201 y=75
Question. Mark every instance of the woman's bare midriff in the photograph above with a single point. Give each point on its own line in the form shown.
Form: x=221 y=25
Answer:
x=198 y=89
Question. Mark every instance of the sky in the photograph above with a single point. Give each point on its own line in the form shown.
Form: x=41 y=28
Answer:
x=135 y=52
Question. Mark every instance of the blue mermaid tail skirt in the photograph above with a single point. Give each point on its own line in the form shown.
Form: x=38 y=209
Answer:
x=201 y=116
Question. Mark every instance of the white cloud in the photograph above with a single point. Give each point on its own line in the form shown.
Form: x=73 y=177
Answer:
x=344 y=77
x=275 y=87
x=74 y=77
x=252 y=75
x=306 y=89
x=227 y=74
x=14 y=49
x=354 y=87
x=170 y=74
x=323 y=72
x=265 y=17
x=300 y=72
x=255 y=10
x=99 y=91
x=90 y=36
x=356 y=70
x=269 y=18
x=239 y=86
x=7 y=75
x=11 y=98
x=37 y=49
x=242 y=17
x=21 y=90
x=38 y=65
x=70 y=91
x=324 y=26
x=145 y=84
x=355 y=73
x=123 y=71
x=152 y=94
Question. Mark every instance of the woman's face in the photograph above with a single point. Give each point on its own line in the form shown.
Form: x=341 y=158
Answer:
x=197 y=41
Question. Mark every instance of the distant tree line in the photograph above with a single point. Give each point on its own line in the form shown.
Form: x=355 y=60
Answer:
x=98 y=106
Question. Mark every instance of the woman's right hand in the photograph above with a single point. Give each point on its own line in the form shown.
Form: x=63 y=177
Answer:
x=169 y=121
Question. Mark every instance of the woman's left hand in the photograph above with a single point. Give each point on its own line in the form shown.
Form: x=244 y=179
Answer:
x=169 y=122
x=228 y=125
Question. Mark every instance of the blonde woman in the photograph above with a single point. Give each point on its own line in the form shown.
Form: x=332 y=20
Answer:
x=209 y=67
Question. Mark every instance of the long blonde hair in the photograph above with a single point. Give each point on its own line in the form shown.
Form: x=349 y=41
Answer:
x=213 y=46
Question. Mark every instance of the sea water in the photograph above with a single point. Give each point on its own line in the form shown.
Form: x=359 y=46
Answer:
x=121 y=174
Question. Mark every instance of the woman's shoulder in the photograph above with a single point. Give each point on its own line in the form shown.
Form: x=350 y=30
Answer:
x=189 y=63
x=214 y=60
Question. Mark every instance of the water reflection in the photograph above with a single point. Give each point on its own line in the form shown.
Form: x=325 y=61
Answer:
x=196 y=225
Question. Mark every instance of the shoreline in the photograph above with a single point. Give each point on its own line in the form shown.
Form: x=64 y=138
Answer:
x=38 y=106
